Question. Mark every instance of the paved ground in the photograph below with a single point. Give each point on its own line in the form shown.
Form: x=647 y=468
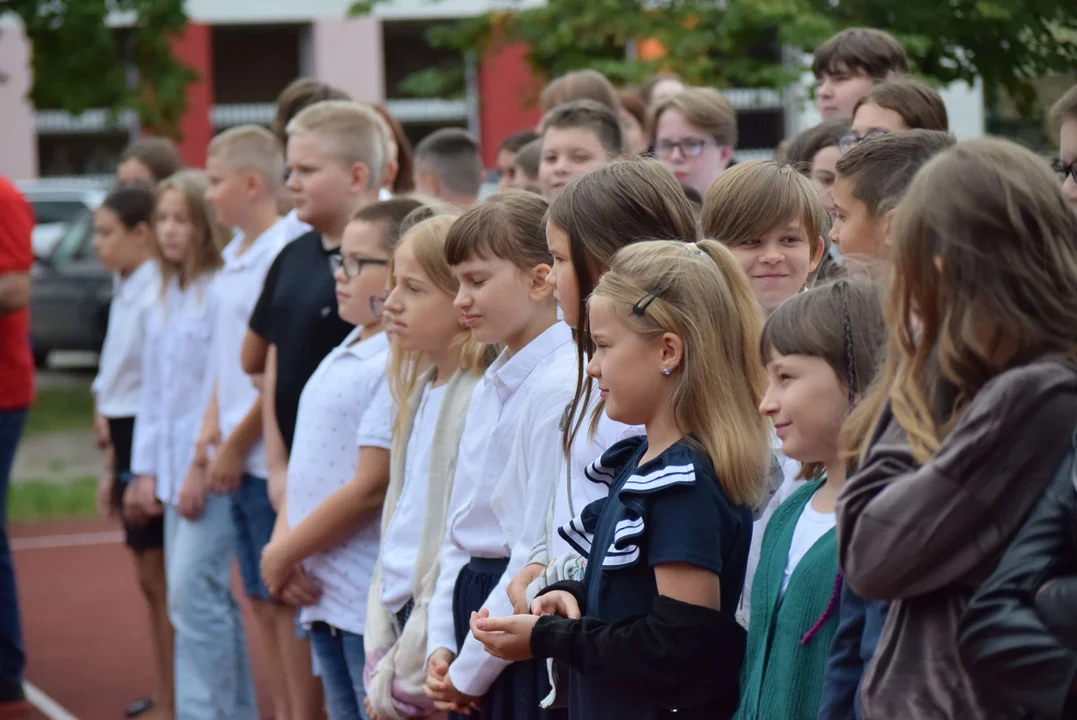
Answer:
x=85 y=628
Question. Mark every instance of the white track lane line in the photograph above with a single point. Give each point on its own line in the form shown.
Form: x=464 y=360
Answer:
x=63 y=541
x=46 y=705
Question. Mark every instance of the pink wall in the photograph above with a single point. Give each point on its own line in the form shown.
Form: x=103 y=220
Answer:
x=18 y=141
x=348 y=54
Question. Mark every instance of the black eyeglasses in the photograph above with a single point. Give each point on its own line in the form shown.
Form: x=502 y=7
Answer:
x=1065 y=171
x=689 y=147
x=352 y=265
x=850 y=140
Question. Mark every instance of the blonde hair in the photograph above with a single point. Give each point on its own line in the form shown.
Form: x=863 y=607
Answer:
x=579 y=85
x=983 y=250
x=250 y=148
x=751 y=199
x=355 y=133
x=700 y=294
x=427 y=240
x=208 y=237
x=706 y=108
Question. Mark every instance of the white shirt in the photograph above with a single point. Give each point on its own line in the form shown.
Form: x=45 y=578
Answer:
x=519 y=408
x=811 y=526
x=237 y=288
x=174 y=392
x=344 y=406
x=119 y=375
x=400 y=546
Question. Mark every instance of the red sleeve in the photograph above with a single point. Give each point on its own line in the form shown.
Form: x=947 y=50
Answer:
x=16 y=226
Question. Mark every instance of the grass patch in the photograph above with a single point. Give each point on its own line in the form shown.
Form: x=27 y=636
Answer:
x=42 y=500
x=57 y=409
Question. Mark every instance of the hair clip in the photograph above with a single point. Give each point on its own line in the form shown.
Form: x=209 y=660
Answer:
x=645 y=302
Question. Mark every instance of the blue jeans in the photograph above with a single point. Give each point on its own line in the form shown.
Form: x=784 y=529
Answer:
x=253 y=517
x=12 y=658
x=340 y=657
x=213 y=679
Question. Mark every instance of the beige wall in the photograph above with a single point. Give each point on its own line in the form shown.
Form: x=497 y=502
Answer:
x=18 y=141
x=348 y=54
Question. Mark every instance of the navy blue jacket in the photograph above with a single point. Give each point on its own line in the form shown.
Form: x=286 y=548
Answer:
x=860 y=622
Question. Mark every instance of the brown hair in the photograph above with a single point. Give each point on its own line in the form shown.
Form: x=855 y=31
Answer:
x=807 y=143
x=389 y=215
x=706 y=108
x=453 y=156
x=601 y=212
x=984 y=278
x=632 y=104
x=647 y=91
x=808 y=324
x=209 y=236
x=515 y=142
x=299 y=95
x=1063 y=110
x=698 y=292
x=871 y=51
x=751 y=199
x=578 y=85
x=882 y=168
x=509 y=224
x=589 y=115
x=354 y=133
x=159 y=154
x=529 y=158
x=919 y=106
x=404 y=181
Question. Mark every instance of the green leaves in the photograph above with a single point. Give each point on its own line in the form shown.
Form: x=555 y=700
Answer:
x=81 y=63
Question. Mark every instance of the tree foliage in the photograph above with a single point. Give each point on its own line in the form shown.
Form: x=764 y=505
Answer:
x=738 y=43
x=78 y=63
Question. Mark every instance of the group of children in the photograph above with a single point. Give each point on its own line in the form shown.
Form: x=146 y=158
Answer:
x=631 y=438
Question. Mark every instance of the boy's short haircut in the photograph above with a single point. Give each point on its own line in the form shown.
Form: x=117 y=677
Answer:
x=873 y=52
x=753 y=198
x=513 y=143
x=529 y=157
x=706 y=108
x=646 y=93
x=389 y=215
x=579 y=85
x=807 y=143
x=354 y=132
x=1063 y=110
x=510 y=225
x=918 y=105
x=453 y=155
x=250 y=148
x=299 y=95
x=588 y=115
x=159 y=154
x=882 y=168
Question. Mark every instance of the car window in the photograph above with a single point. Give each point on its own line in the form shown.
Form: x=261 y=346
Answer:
x=77 y=240
x=56 y=211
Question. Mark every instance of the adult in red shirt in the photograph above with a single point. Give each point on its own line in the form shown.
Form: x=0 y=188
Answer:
x=16 y=393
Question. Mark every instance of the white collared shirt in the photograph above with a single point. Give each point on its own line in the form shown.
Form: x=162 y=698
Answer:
x=344 y=406
x=511 y=386
x=174 y=389
x=119 y=376
x=237 y=288
x=400 y=545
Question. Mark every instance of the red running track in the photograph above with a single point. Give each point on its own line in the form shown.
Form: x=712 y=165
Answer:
x=85 y=626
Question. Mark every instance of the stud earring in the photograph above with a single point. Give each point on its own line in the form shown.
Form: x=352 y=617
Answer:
x=665 y=371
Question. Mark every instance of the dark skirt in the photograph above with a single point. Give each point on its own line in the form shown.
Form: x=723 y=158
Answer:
x=516 y=693
x=150 y=536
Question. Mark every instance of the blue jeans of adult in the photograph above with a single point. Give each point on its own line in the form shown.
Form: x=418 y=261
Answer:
x=213 y=679
x=340 y=657
x=12 y=657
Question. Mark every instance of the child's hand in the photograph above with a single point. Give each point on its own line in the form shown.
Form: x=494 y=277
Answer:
x=101 y=431
x=517 y=590
x=560 y=603
x=131 y=505
x=192 y=494
x=508 y=638
x=145 y=494
x=440 y=689
x=226 y=469
x=299 y=590
x=103 y=496
x=209 y=436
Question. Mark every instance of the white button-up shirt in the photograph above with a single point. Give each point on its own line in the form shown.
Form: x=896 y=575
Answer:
x=494 y=485
x=237 y=288
x=344 y=406
x=174 y=390
x=119 y=376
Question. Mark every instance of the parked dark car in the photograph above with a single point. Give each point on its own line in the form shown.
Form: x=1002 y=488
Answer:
x=70 y=294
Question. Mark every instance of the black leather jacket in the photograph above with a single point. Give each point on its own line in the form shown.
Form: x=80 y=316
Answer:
x=1018 y=637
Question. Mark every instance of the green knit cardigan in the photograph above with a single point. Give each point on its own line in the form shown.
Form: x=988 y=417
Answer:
x=782 y=679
